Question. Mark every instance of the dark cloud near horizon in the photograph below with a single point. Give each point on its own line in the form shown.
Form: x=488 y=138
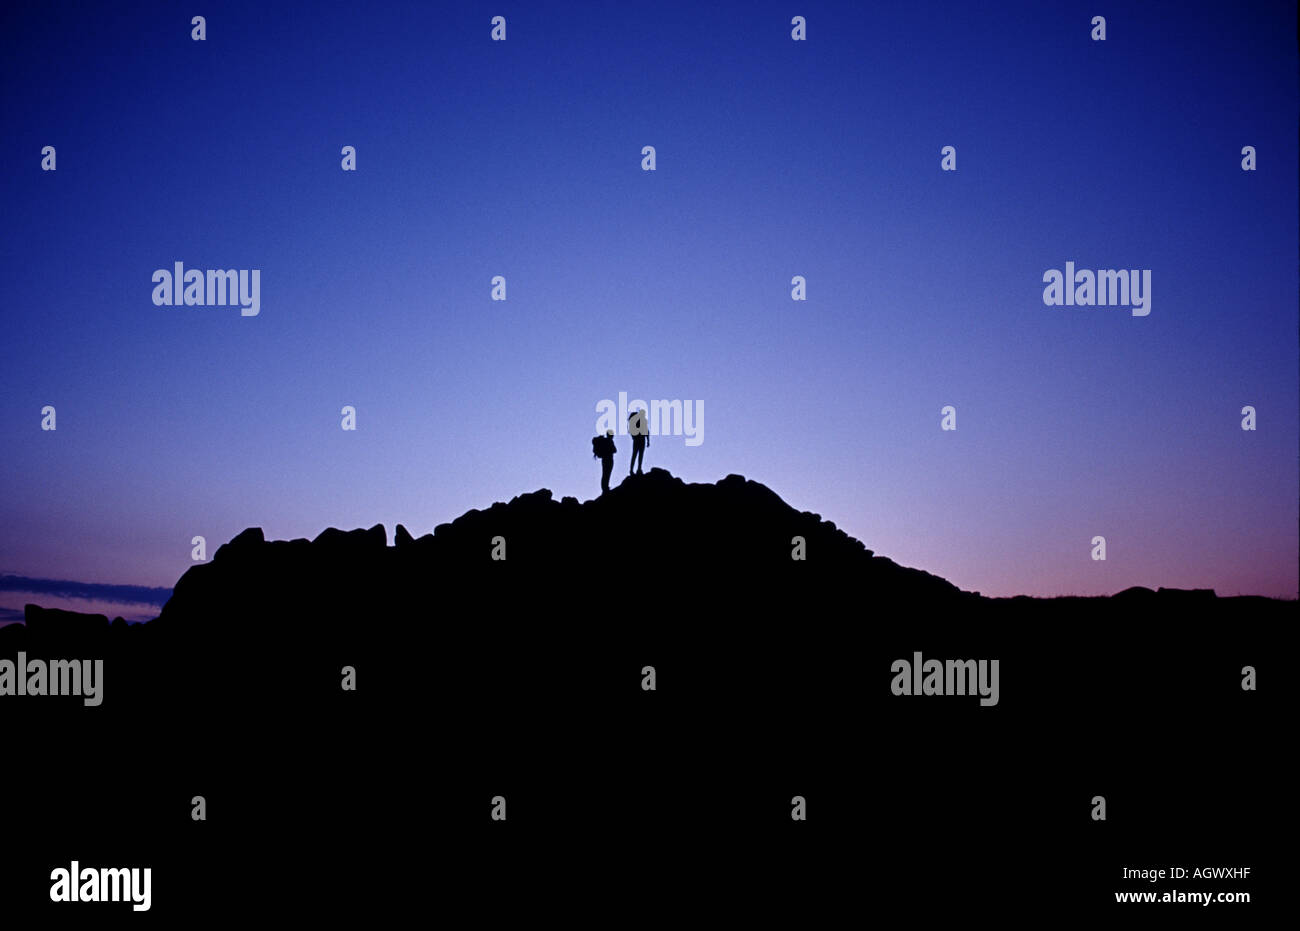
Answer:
x=91 y=591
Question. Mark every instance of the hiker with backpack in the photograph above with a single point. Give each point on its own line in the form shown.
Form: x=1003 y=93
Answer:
x=602 y=448
x=636 y=426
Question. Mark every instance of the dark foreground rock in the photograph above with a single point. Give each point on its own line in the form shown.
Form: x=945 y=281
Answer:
x=523 y=677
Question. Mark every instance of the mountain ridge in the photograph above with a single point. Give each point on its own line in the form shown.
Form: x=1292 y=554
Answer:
x=654 y=520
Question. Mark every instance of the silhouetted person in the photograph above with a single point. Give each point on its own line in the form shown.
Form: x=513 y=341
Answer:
x=602 y=447
x=636 y=426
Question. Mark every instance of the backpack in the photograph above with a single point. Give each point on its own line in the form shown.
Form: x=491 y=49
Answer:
x=598 y=446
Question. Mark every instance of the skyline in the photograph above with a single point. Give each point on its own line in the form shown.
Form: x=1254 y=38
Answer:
x=774 y=159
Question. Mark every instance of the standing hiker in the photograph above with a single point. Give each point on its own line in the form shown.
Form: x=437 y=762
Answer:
x=602 y=448
x=636 y=426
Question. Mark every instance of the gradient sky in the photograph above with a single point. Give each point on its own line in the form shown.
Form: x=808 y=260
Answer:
x=775 y=158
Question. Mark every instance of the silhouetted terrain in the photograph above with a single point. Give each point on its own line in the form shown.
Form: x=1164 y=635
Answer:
x=522 y=677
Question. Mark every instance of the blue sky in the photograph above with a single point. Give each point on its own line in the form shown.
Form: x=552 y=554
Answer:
x=775 y=158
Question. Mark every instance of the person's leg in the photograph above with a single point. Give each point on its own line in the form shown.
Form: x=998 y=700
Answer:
x=606 y=466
